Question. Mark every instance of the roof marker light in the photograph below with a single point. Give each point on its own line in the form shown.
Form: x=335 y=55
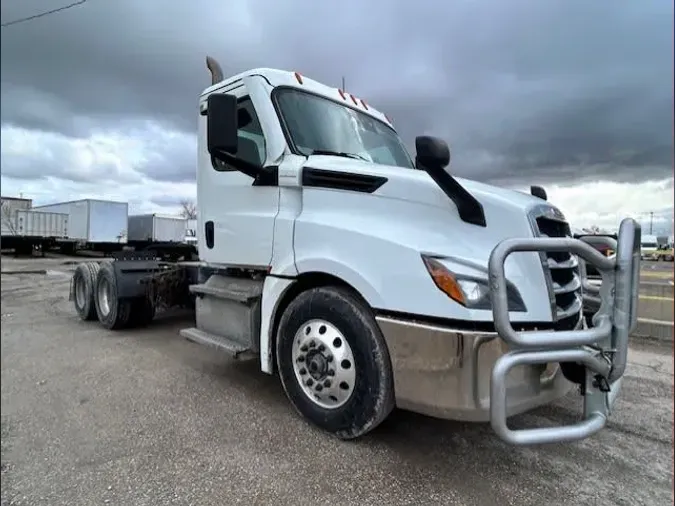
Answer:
x=354 y=99
x=342 y=94
x=364 y=104
x=298 y=77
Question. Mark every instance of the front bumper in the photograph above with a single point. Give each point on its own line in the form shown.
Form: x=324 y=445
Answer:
x=476 y=377
x=445 y=373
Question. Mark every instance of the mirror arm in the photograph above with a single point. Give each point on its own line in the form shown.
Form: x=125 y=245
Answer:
x=251 y=170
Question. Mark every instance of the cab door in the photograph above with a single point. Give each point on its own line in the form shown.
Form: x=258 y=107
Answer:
x=236 y=219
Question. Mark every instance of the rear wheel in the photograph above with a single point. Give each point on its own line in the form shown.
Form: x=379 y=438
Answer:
x=84 y=283
x=112 y=312
x=334 y=363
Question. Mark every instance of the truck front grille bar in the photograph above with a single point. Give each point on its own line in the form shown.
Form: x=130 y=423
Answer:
x=602 y=349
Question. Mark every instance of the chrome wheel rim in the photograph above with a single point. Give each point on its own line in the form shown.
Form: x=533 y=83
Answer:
x=323 y=363
x=79 y=292
x=104 y=296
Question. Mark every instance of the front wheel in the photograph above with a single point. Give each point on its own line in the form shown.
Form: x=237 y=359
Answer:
x=333 y=362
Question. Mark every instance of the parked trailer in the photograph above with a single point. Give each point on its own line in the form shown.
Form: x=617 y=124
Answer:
x=99 y=225
x=9 y=206
x=151 y=228
x=31 y=229
x=164 y=234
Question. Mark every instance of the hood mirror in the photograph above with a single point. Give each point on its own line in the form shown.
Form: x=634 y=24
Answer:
x=432 y=153
x=539 y=192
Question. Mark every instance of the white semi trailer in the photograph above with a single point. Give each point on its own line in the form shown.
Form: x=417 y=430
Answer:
x=369 y=279
x=99 y=225
x=25 y=229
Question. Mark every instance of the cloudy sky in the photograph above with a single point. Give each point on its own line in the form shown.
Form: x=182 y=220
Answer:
x=100 y=100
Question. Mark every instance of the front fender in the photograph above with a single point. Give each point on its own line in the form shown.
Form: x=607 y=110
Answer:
x=366 y=286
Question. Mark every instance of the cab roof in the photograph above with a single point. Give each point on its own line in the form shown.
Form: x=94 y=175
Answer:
x=276 y=77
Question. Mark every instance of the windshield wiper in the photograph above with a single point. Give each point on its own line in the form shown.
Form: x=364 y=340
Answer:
x=339 y=153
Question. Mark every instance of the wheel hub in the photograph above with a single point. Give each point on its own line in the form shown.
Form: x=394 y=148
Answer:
x=104 y=297
x=323 y=363
x=317 y=365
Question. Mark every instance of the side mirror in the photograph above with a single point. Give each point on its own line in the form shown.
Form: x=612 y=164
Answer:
x=221 y=121
x=432 y=152
x=538 y=191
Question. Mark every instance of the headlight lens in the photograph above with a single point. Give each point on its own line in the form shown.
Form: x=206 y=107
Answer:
x=469 y=291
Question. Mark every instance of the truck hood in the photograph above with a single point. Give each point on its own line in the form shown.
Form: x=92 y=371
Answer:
x=413 y=213
x=416 y=186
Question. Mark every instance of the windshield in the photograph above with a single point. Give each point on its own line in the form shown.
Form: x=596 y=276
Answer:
x=319 y=125
x=649 y=245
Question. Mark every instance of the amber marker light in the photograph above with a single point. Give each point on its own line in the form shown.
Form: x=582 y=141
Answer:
x=444 y=280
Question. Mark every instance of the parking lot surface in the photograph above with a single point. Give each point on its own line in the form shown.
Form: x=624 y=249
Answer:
x=147 y=418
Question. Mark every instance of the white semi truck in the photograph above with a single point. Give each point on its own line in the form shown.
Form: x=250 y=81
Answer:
x=368 y=279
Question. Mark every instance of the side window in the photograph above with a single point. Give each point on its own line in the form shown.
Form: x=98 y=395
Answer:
x=251 y=139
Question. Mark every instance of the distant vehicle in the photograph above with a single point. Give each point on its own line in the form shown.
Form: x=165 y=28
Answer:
x=649 y=247
x=665 y=252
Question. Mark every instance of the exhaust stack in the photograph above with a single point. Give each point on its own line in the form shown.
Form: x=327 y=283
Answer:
x=215 y=69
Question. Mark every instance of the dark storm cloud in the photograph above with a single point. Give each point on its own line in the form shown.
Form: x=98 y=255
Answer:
x=522 y=90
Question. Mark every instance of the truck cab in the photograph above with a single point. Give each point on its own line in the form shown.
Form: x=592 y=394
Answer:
x=368 y=278
x=313 y=188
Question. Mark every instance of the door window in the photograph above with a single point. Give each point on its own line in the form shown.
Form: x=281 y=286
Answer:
x=251 y=146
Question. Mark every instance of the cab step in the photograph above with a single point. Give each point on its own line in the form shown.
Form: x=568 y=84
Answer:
x=222 y=343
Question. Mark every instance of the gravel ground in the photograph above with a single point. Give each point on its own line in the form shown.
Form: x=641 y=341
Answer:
x=146 y=418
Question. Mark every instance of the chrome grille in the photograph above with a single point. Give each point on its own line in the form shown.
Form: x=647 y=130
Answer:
x=561 y=270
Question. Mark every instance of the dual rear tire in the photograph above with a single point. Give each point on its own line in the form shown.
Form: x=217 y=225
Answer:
x=95 y=296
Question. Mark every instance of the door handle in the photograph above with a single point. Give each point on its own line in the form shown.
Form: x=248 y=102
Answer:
x=209 y=234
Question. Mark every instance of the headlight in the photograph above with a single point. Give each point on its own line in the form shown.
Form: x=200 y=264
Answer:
x=469 y=291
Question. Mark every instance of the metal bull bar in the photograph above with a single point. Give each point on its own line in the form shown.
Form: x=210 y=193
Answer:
x=602 y=349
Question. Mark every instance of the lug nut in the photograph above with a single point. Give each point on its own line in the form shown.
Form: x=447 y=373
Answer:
x=318 y=387
x=329 y=358
x=304 y=348
x=309 y=382
x=303 y=371
x=312 y=344
x=331 y=372
x=322 y=347
x=301 y=358
x=326 y=383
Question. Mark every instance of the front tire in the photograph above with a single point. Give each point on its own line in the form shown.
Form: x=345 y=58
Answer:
x=333 y=362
